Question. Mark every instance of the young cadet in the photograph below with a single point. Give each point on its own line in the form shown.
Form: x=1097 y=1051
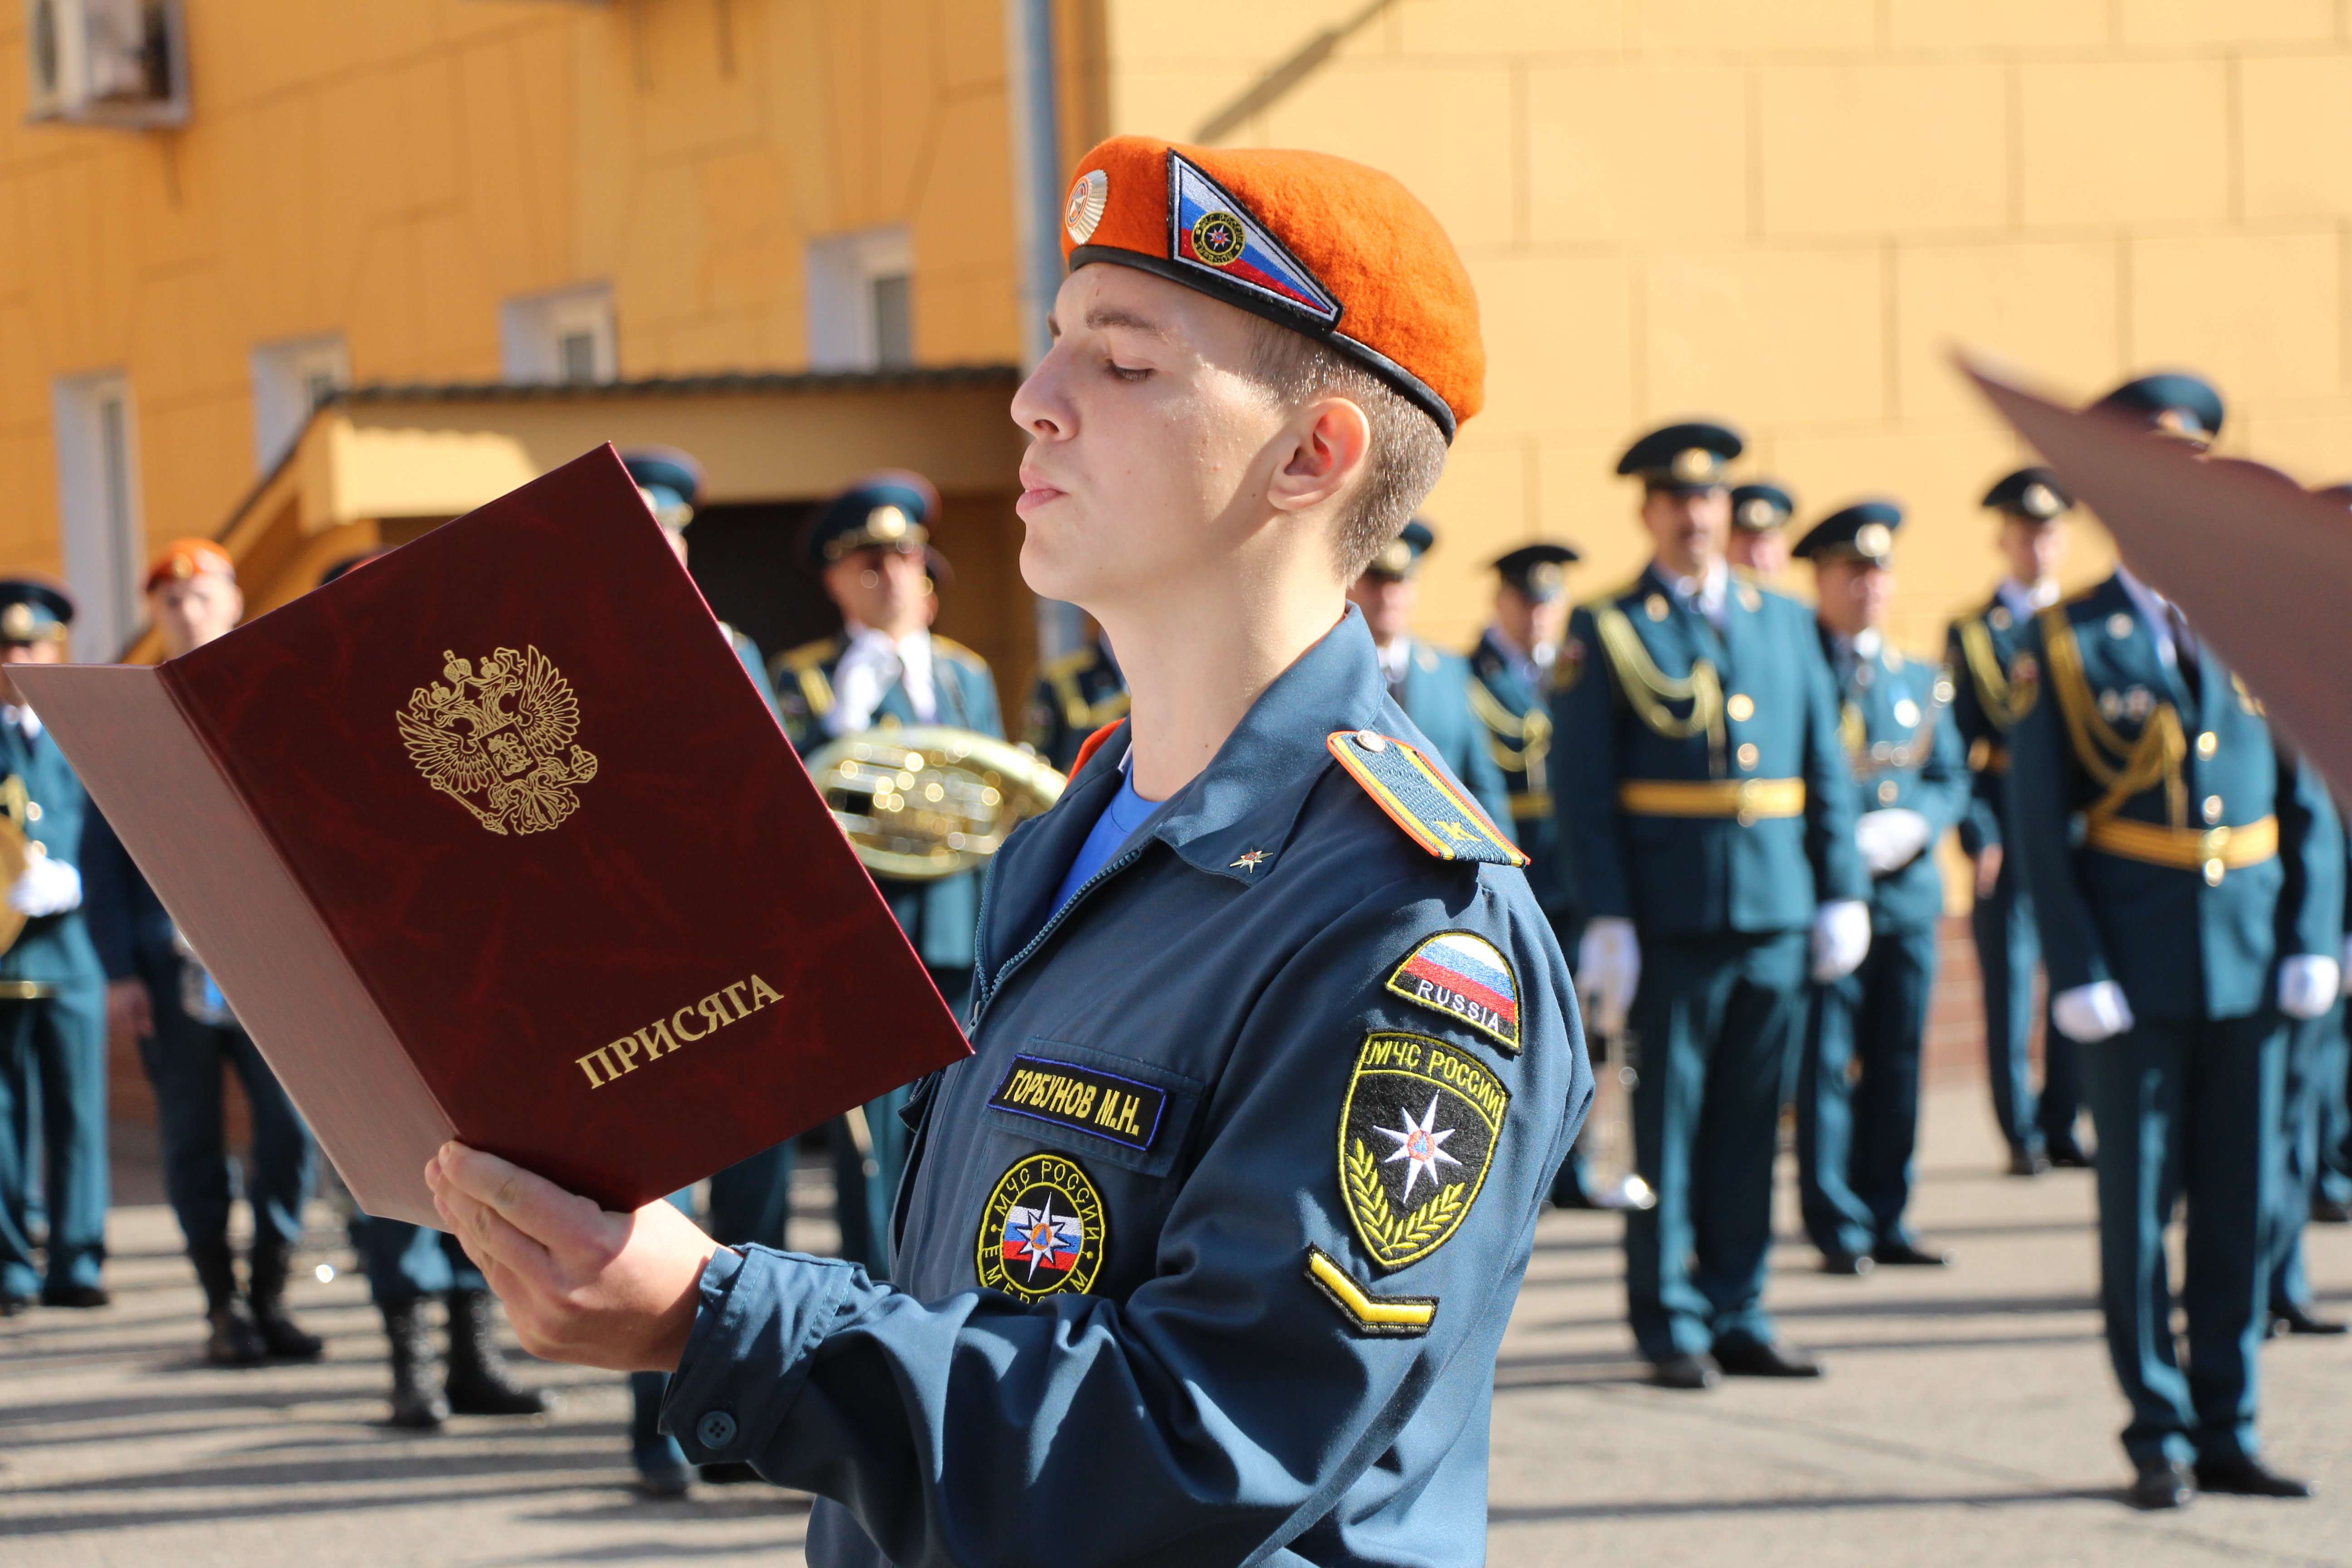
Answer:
x=1208 y=1250
x=52 y=990
x=1075 y=695
x=2163 y=831
x=162 y=1004
x=1995 y=684
x=1858 y=1089
x=871 y=545
x=1760 y=510
x=1708 y=809
x=1430 y=685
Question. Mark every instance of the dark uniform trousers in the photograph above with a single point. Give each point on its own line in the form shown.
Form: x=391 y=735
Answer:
x=2009 y=951
x=184 y=1058
x=1858 y=1084
x=53 y=1072
x=1721 y=898
x=2188 y=1103
x=939 y=918
x=2314 y=1065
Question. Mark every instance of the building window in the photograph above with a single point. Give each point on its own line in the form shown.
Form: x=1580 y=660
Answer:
x=861 y=301
x=566 y=337
x=289 y=381
x=98 y=502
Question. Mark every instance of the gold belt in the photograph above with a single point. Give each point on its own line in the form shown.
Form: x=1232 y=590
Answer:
x=2213 y=850
x=1532 y=805
x=1748 y=800
x=1985 y=757
x=26 y=990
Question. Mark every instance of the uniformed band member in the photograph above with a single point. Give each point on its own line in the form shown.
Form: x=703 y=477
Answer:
x=1995 y=683
x=1760 y=510
x=1432 y=685
x=671 y=483
x=160 y=1000
x=1858 y=1090
x=871 y=545
x=1076 y=694
x=52 y=990
x=2159 y=824
x=1707 y=806
x=1209 y=1249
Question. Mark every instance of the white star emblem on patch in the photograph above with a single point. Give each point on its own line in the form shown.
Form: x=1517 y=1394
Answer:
x=1421 y=1146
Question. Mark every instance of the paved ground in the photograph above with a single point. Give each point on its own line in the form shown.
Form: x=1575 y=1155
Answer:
x=1968 y=1419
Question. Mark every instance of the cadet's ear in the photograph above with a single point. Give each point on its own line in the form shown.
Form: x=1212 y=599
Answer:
x=1323 y=450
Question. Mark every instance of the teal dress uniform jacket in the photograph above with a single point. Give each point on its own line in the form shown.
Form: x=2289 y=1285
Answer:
x=1077 y=695
x=1704 y=875
x=52 y=950
x=1163 y=1336
x=1437 y=699
x=1895 y=714
x=1519 y=737
x=936 y=916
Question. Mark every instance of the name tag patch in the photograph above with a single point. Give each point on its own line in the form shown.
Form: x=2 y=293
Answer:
x=1084 y=1099
x=1466 y=977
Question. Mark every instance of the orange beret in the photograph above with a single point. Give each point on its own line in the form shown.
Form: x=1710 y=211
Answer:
x=185 y=558
x=1333 y=249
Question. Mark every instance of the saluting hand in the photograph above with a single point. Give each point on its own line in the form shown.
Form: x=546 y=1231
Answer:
x=580 y=1284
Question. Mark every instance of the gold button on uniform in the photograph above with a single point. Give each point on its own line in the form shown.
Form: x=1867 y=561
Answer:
x=1747 y=754
x=1887 y=792
x=2119 y=626
x=2212 y=808
x=32 y=811
x=2213 y=870
x=1655 y=606
x=1741 y=707
x=2208 y=743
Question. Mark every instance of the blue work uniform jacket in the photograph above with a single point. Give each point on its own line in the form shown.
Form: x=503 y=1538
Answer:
x=1519 y=737
x=128 y=923
x=1763 y=714
x=1895 y=721
x=39 y=792
x=1994 y=683
x=1195 y=1321
x=938 y=916
x=1436 y=698
x=2161 y=829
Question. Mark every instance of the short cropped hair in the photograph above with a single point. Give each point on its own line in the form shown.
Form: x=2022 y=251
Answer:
x=1408 y=450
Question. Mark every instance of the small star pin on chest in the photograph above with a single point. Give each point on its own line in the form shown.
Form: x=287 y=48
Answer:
x=1251 y=860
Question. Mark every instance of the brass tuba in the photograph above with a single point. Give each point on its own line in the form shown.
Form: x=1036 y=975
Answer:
x=927 y=801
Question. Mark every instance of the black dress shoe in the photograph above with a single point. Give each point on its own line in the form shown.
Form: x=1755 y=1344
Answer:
x=1851 y=1263
x=728 y=1473
x=1687 y=1372
x=80 y=1297
x=2162 y=1483
x=2292 y=1319
x=2028 y=1162
x=15 y=1306
x=1909 y=1255
x=2329 y=1211
x=2247 y=1476
x=1756 y=1358
x=2069 y=1157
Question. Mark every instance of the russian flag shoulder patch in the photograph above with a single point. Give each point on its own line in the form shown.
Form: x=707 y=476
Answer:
x=1462 y=975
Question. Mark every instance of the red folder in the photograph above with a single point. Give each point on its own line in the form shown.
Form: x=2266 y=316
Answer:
x=493 y=838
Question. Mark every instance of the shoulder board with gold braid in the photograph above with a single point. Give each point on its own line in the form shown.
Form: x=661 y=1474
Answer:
x=957 y=651
x=1418 y=798
x=1062 y=676
x=805 y=666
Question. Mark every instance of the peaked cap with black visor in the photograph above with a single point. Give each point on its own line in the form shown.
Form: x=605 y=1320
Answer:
x=1335 y=251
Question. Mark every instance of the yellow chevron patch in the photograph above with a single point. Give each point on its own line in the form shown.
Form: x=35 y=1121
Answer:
x=1395 y=1317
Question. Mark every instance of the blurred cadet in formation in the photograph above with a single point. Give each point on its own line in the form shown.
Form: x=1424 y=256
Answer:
x=1858 y=1087
x=1995 y=684
x=1077 y=695
x=408 y=1264
x=1430 y=685
x=671 y=483
x=2188 y=881
x=751 y=1200
x=1760 y=510
x=1707 y=806
x=872 y=546
x=52 y=990
x=159 y=999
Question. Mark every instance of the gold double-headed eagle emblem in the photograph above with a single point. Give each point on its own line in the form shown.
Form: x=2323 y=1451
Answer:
x=498 y=740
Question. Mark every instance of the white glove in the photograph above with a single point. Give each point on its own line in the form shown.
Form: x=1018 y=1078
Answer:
x=1890 y=839
x=2348 y=966
x=1841 y=939
x=2092 y=1013
x=47 y=888
x=2308 y=984
x=1608 y=967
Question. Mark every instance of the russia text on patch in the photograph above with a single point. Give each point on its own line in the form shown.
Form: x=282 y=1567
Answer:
x=1467 y=976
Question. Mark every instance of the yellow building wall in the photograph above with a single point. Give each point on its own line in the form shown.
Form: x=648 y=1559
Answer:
x=1788 y=215
x=393 y=170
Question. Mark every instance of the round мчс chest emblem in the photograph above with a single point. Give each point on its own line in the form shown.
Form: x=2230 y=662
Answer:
x=1044 y=1231
x=1217 y=238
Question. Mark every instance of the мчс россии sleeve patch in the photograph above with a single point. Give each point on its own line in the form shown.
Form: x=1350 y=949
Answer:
x=1417 y=1135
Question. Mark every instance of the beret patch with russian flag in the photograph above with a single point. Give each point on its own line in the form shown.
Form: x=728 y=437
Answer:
x=1335 y=250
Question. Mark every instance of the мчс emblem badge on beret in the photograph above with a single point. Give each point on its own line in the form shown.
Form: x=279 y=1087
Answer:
x=1416 y=1137
x=498 y=738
